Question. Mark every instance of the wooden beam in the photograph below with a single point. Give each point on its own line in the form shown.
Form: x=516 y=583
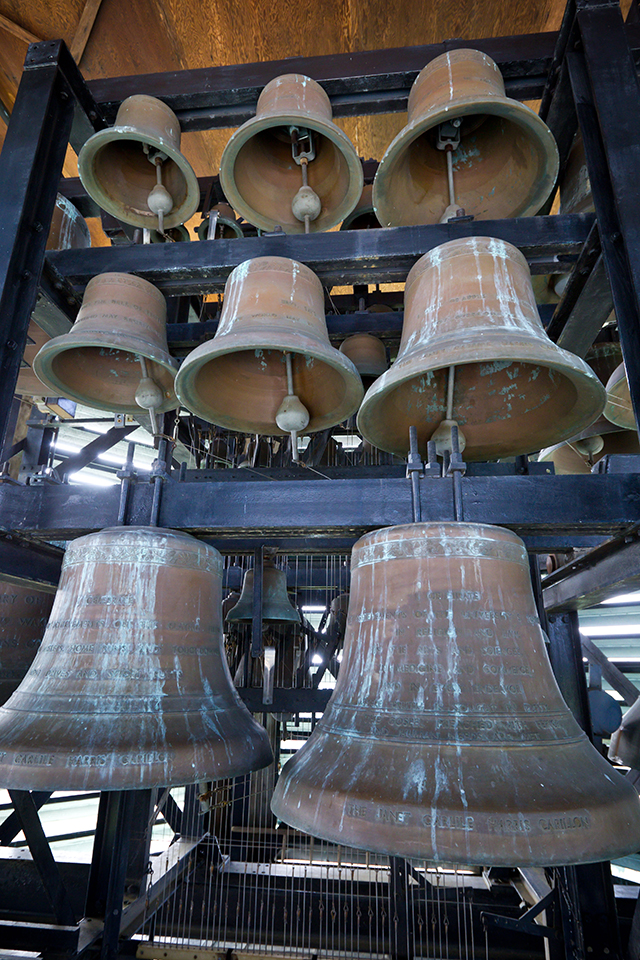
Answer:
x=84 y=28
x=17 y=31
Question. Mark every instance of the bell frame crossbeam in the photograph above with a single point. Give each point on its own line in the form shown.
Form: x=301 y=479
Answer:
x=586 y=75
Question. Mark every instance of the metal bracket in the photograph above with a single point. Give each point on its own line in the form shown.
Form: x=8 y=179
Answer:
x=525 y=923
x=415 y=472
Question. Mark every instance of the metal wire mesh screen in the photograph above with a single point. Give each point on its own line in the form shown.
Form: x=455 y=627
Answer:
x=253 y=886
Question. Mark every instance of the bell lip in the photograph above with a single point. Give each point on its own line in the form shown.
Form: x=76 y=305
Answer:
x=255 y=125
x=513 y=110
x=551 y=854
x=617 y=387
x=43 y=369
x=271 y=339
x=232 y=224
x=140 y=778
x=85 y=171
x=589 y=403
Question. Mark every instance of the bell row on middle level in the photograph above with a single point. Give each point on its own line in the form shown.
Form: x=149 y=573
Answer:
x=473 y=354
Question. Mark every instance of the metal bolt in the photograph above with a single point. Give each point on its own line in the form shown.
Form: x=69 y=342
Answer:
x=37 y=226
x=26 y=275
x=11 y=345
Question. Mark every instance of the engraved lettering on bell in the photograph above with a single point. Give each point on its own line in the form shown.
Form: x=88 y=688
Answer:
x=464 y=738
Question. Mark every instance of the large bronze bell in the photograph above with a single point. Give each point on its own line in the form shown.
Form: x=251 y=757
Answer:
x=291 y=161
x=466 y=145
x=276 y=606
x=618 y=408
x=116 y=346
x=130 y=688
x=470 y=314
x=272 y=317
x=24 y=612
x=135 y=170
x=446 y=737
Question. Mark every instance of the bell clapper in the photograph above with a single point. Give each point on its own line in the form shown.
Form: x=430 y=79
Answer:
x=442 y=434
x=292 y=415
x=306 y=205
x=149 y=395
x=159 y=201
x=449 y=140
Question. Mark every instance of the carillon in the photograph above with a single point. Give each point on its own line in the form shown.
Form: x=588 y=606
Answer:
x=135 y=170
x=276 y=606
x=290 y=166
x=474 y=352
x=467 y=148
x=446 y=737
x=24 y=612
x=130 y=688
x=270 y=369
x=115 y=357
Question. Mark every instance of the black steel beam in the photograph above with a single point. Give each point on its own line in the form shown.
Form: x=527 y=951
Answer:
x=30 y=564
x=27 y=813
x=94 y=449
x=39 y=937
x=610 y=569
x=286 y=700
x=358 y=83
x=607 y=96
x=30 y=166
x=611 y=673
x=549 y=505
x=551 y=244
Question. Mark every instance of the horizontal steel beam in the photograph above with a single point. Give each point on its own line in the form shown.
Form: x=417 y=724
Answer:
x=30 y=564
x=550 y=244
x=306 y=509
x=610 y=569
x=286 y=700
x=372 y=81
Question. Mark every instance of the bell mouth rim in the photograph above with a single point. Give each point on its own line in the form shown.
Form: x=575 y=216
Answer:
x=521 y=115
x=232 y=224
x=86 y=167
x=198 y=358
x=589 y=400
x=329 y=130
x=43 y=368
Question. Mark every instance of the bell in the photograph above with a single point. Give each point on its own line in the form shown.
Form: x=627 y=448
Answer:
x=446 y=737
x=291 y=161
x=625 y=742
x=118 y=340
x=276 y=606
x=135 y=171
x=618 y=408
x=368 y=354
x=473 y=351
x=363 y=216
x=226 y=225
x=467 y=147
x=272 y=320
x=24 y=612
x=603 y=358
x=581 y=453
x=178 y=234
x=130 y=688
x=575 y=186
x=69 y=231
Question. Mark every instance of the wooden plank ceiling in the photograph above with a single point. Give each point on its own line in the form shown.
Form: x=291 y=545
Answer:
x=112 y=38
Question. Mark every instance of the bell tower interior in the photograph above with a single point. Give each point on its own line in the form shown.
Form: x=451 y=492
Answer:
x=319 y=481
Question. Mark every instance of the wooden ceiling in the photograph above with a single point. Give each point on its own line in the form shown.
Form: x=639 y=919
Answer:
x=115 y=38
